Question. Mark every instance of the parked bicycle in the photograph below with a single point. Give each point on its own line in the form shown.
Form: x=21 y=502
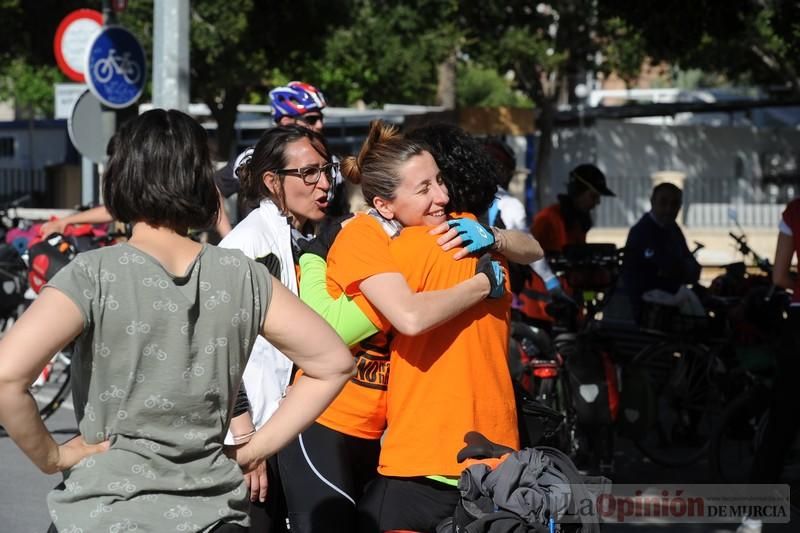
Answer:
x=742 y=426
x=33 y=268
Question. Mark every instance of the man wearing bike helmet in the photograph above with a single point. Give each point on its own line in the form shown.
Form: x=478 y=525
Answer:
x=298 y=103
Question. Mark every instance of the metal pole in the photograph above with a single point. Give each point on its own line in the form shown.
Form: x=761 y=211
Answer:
x=87 y=181
x=171 y=54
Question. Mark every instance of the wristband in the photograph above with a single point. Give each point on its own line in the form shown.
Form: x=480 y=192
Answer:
x=552 y=283
x=241 y=439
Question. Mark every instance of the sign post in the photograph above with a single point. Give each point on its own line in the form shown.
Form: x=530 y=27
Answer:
x=89 y=132
x=115 y=69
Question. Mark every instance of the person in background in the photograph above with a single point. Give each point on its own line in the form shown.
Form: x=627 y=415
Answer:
x=656 y=254
x=163 y=327
x=507 y=210
x=299 y=104
x=563 y=223
x=101 y=215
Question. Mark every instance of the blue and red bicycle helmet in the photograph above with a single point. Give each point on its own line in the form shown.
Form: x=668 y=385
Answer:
x=296 y=99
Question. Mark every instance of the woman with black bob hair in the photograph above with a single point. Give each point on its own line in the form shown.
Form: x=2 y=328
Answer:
x=162 y=327
x=164 y=180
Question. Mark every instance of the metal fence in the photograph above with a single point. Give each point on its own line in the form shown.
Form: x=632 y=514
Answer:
x=707 y=202
x=16 y=182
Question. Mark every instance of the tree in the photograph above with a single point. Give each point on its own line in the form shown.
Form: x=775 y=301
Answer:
x=547 y=49
x=390 y=53
x=751 y=41
x=238 y=53
x=27 y=63
x=480 y=86
x=550 y=46
x=30 y=87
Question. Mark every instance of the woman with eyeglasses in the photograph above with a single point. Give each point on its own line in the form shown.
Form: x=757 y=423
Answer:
x=285 y=179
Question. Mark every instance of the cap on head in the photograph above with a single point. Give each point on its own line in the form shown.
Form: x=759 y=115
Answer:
x=589 y=176
x=295 y=99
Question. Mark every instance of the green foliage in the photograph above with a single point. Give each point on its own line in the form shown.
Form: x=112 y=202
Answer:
x=756 y=41
x=624 y=50
x=30 y=87
x=480 y=86
x=390 y=54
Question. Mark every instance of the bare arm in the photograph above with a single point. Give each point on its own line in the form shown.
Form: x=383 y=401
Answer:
x=46 y=327
x=223 y=225
x=95 y=215
x=413 y=313
x=305 y=338
x=516 y=246
x=784 y=251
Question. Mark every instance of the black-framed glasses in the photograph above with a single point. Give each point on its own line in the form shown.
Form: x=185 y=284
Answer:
x=310 y=175
x=311 y=120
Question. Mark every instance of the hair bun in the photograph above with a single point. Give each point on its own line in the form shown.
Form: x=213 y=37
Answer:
x=351 y=169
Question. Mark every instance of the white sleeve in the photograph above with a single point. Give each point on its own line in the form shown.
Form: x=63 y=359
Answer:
x=784 y=228
x=512 y=212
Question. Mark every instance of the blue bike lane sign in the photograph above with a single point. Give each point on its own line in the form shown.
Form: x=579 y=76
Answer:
x=115 y=67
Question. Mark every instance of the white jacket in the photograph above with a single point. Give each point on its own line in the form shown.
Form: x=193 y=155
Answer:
x=265 y=231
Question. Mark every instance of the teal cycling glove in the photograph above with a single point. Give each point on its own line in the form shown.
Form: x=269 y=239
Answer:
x=477 y=237
x=493 y=271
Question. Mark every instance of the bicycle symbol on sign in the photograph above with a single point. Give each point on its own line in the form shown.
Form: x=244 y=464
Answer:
x=116 y=63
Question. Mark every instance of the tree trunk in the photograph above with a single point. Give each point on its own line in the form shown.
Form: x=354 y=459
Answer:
x=225 y=116
x=544 y=124
x=446 y=89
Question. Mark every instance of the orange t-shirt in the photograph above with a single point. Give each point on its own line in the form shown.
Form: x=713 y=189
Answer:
x=549 y=229
x=450 y=380
x=361 y=250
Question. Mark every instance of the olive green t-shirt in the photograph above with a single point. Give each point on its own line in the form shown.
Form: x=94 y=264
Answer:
x=156 y=370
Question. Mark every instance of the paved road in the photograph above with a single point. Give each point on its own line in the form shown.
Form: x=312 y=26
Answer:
x=23 y=488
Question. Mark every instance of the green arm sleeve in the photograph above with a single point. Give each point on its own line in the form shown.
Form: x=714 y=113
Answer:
x=342 y=314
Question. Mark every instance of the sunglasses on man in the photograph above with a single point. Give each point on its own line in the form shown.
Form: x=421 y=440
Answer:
x=311 y=120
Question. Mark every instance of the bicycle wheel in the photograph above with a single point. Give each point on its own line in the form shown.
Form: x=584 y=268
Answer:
x=686 y=402
x=737 y=437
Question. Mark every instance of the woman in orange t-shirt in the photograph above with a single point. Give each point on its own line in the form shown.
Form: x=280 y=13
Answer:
x=446 y=381
x=327 y=467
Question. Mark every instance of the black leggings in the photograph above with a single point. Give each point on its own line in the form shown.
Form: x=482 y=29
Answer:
x=414 y=503
x=324 y=474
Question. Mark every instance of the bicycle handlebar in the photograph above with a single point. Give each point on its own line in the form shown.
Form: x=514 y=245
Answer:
x=745 y=249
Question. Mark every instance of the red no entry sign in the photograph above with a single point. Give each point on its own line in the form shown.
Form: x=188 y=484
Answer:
x=72 y=38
